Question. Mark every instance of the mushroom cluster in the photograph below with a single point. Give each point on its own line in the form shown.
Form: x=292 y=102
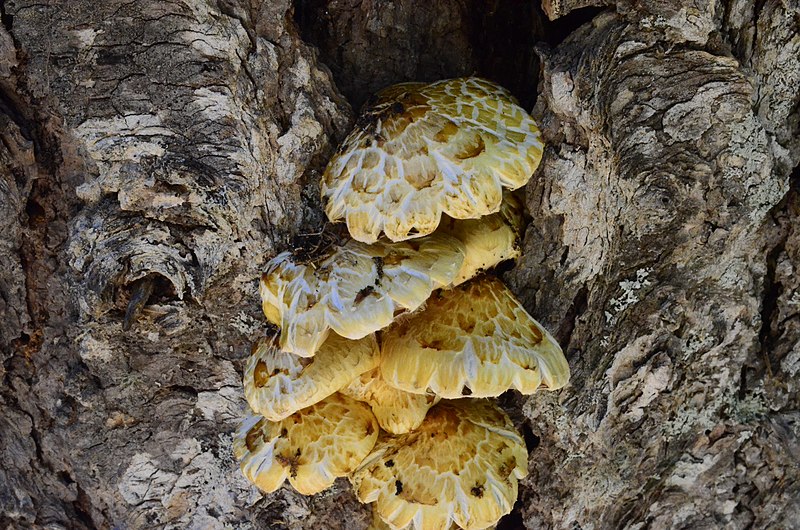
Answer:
x=390 y=342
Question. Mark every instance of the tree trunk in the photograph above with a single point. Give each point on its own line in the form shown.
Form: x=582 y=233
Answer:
x=155 y=155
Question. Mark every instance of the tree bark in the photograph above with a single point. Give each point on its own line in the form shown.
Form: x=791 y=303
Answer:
x=164 y=151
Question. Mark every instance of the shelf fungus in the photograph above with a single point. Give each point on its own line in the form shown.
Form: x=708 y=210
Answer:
x=474 y=340
x=489 y=240
x=422 y=150
x=277 y=383
x=398 y=412
x=354 y=289
x=311 y=448
x=380 y=335
x=379 y=524
x=461 y=466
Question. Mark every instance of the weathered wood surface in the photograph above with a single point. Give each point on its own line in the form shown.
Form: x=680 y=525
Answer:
x=181 y=142
x=656 y=235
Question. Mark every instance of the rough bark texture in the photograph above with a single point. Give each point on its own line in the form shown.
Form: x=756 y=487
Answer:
x=176 y=146
x=654 y=235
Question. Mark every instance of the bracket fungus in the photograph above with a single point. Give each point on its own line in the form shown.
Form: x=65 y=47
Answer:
x=356 y=289
x=379 y=524
x=411 y=322
x=311 y=448
x=277 y=383
x=420 y=150
x=460 y=466
x=488 y=240
x=476 y=340
x=397 y=411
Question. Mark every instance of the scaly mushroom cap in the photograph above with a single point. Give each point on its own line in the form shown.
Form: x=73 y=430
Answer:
x=421 y=150
x=397 y=411
x=356 y=289
x=475 y=340
x=379 y=524
x=277 y=383
x=311 y=447
x=488 y=240
x=461 y=465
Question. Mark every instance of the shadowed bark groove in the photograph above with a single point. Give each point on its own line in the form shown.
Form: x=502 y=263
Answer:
x=154 y=155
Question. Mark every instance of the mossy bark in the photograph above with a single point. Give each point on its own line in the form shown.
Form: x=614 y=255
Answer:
x=167 y=150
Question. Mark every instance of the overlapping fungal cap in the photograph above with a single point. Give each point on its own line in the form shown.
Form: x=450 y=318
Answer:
x=379 y=524
x=420 y=150
x=355 y=289
x=488 y=240
x=277 y=383
x=460 y=466
x=397 y=411
x=311 y=447
x=474 y=340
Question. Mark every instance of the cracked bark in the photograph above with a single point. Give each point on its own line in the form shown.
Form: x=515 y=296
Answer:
x=175 y=147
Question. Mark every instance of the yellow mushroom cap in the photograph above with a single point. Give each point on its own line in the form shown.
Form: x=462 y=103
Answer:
x=290 y=301
x=277 y=383
x=379 y=524
x=270 y=291
x=421 y=150
x=476 y=340
x=488 y=240
x=461 y=466
x=397 y=411
x=356 y=289
x=311 y=447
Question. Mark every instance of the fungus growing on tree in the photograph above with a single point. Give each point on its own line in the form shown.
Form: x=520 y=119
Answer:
x=311 y=447
x=474 y=340
x=460 y=466
x=379 y=524
x=420 y=150
x=454 y=148
x=355 y=289
x=397 y=411
x=488 y=240
x=277 y=383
